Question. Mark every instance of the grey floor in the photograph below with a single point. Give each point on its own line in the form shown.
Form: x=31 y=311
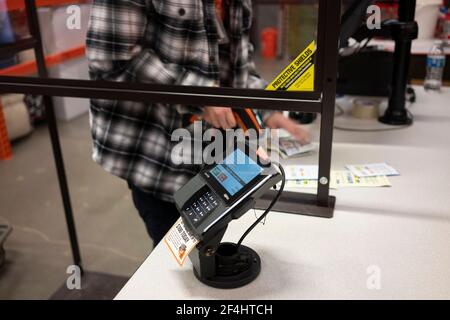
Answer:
x=112 y=237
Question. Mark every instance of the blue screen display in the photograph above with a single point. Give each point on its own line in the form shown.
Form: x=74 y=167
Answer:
x=236 y=171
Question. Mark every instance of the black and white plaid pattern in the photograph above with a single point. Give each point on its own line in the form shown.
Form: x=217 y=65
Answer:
x=165 y=42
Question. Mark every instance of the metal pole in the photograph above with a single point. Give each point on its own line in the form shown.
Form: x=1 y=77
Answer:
x=170 y=94
x=33 y=25
x=331 y=9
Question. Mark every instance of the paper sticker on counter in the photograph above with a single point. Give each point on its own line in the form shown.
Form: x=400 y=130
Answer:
x=372 y=170
x=344 y=178
x=180 y=241
x=301 y=184
x=291 y=147
x=299 y=75
x=302 y=172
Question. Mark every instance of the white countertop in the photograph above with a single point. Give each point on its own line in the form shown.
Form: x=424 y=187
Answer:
x=404 y=231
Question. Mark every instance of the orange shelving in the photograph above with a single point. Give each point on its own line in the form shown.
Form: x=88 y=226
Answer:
x=29 y=67
x=5 y=145
x=20 y=4
x=26 y=68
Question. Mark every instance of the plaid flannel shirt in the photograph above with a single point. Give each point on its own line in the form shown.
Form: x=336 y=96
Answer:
x=164 y=42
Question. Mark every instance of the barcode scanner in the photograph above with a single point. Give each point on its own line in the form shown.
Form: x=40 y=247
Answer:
x=246 y=119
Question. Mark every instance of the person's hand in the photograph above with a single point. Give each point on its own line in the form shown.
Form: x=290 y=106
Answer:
x=219 y=117
x=278 y=121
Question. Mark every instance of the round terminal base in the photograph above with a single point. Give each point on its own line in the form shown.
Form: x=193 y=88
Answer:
x=235 y=267
x=396 y=118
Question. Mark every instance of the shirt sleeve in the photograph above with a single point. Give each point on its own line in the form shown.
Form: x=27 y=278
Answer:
x=255 y=81
x=115 y=52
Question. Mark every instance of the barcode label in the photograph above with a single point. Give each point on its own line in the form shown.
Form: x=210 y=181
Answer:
x=180 y=241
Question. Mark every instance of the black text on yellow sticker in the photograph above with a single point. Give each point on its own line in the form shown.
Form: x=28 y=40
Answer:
x=299 y=75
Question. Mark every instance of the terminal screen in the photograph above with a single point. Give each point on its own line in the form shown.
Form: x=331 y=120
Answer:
x=236 y=171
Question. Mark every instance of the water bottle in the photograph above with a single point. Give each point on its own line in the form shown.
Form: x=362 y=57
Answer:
x=435 y=67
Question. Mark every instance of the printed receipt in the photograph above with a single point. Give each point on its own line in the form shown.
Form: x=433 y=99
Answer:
x=180 y=241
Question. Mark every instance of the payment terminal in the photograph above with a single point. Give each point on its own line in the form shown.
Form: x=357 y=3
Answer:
x=220 y=193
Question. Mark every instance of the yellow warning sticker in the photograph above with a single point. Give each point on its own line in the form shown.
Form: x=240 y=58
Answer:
x=299 y=75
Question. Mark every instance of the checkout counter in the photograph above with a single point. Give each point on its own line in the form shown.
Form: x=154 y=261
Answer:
x=400 y=235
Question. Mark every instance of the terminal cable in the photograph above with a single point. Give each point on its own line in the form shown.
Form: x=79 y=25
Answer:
x=274 y=201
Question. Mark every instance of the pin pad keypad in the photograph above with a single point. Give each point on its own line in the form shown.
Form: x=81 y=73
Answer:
x=202 y=207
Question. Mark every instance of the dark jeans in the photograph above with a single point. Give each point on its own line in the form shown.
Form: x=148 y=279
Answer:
x=159 y=216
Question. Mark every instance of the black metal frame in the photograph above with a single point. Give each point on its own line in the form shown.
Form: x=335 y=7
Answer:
x=320 y=101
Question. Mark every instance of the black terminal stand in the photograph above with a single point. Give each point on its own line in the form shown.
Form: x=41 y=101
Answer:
x=207 y=205
x=224 y=265
x=403 y=32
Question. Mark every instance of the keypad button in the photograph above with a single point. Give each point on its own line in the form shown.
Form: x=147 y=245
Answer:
x=189 y=211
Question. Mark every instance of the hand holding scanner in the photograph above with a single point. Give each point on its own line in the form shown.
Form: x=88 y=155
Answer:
x=246 y=119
